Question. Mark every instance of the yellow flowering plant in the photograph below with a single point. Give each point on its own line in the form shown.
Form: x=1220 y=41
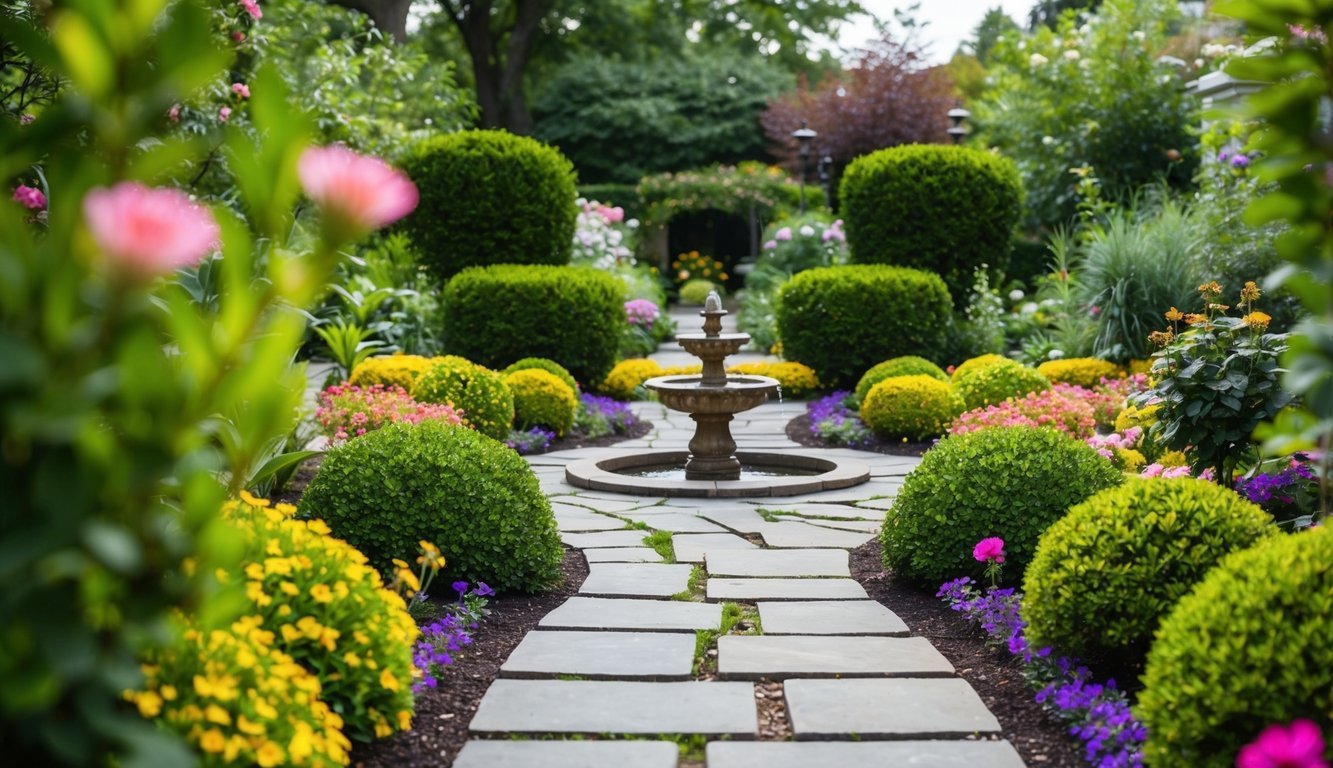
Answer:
x=627 y=376
x=797 y=379
x=694 y=265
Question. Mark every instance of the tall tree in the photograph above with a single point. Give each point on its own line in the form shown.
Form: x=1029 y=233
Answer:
x=993 y=26
x=389 y=16
x=1045 y=13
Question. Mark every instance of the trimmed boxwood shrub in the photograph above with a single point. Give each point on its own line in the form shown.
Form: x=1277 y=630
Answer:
x=476 y=499
x=542 y=399
x=572 y=315
x=694 y=292
x=946 y=209
x=391 y=370
x=912 y=407
x=1011 y=482
x=973 y=363
x=482 y=395
x=542 y=364
x=1249 y=647
x=997 y=382
x=1086 y=372
x=842 y=320
x=1107 y=572
x=490 y=197
x=907 y=365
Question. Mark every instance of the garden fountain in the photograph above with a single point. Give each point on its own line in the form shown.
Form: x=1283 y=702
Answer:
x=713 y=467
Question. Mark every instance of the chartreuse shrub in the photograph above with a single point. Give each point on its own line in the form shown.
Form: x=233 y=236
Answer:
x=472 y=496
x=905 y=205
x=1107 y=572
x=842 y=320
x=1248 y=647
x=916 y=407
x=1010 y=482
x=550 y=366
x=391 y=371
x=572 y=315
x=997 y=382
x=542 y=399
x=976 y=363
x=694 y=291
x=907 y=365
x=490 y=197
x=628 y=375
x=797 y=380
x=480 y=393
x=1085 y=372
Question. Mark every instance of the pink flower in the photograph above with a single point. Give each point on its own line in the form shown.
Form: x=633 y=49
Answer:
x=241 y=89
x=363 y=192
x=174 y=114
x=26 y=119
x=148 y=231
x=223 y=114
x=30 y=198
x=1152 y=470
x=770 y=245
x=1299 y=745
x=239 y=36
x=782 y=234
x=251 y=7
x=989 y=549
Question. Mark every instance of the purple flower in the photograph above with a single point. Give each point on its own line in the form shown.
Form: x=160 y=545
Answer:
x=1240 y=161
x=460 y=587
x=483 y=590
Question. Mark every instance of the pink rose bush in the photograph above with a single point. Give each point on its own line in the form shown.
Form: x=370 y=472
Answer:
x=149 y=232
x=30 y=198
x=346 y=411
x=1299 y=745
x=642 y=312
x=358 y=193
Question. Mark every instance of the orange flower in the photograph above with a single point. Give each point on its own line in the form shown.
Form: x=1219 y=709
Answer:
x=1174 y=315
x=1249 y=293
x=1194 y=318
x=1257 y=319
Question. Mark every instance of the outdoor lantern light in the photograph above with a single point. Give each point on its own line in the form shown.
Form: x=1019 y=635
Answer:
x=803 y=136
x=957 y=116
x=825 y=178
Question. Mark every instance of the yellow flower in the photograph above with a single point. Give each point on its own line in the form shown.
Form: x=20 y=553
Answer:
x=1175 y=315
x=404 y=720
x=149 y=703
x=318 y=526
x=388 y=680
x=168 y=692
x=269 y=755
x=215 y=714
x=321 y=593
x=289 y=588
x=248 y=727
x=1194 y=318
x=252 y=500
x=1210 y=290
x=1258 y=319
x=300 y=746
x=1249 y=293
x=212 y=741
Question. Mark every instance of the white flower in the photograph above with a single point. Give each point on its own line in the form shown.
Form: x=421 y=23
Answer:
x=1213 y=50
x=1029 y=308
x=807 y=231
x=1016 y=294
x=1140 y=35
x=1037 y=60
x=1071 y=55
x=1048 y=140
x=1055 y=354
x=1198 y=63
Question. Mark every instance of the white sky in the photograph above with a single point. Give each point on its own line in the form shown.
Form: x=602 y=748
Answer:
x=948 y=22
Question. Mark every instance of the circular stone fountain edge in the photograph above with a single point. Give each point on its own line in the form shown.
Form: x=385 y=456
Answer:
x=601 y=475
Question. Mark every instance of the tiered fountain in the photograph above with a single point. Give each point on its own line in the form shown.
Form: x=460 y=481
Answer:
x=713 y=467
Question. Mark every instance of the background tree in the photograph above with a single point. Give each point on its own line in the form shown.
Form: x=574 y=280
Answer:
x=994 y=25
x=1046 y=13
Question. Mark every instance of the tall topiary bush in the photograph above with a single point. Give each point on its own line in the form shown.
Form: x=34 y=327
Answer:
x=946 y=209
x=490 y=197
x=572 y=315
x=842 y=320
x=476 y=499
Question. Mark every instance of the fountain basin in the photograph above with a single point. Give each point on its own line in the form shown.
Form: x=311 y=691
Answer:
x=689 y=394
x=809 y=474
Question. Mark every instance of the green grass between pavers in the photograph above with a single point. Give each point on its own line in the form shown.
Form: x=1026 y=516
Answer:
x=694 y=589
x=733 y=614
x=660 y=541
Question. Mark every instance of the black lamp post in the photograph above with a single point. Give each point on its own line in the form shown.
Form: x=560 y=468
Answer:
x=803 y=136
x=957 y=116
x=824 y=170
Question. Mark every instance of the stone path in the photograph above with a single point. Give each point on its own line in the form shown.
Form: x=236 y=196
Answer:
x=635 y=659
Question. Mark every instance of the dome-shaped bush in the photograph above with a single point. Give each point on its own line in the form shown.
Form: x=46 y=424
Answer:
x=1080 y=371
x=1011 y=482
x=974 y=363
x=912 y=407
x=1249 y=647
x=694 y=291
x=626 y=377
x=480 y=393
x=391 y=371
x=1107 y=572
x=473 y=497
x=543 y=364
x=490 y=197
x=907 y=365
x=542 y=399
x=997 y=382
x=796 y=379
x=842 y=320
x=946 y=209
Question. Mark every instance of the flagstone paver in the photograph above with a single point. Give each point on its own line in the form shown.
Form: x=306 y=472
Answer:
x=568 y=754
x=603 y=655
x=779 y=562
x=824 y=617
x=630 y=614
x=636 y=579
x=691 y=547
x=632 y=537
x=800 y=535
x=749 y=657
x=591 y=706
x=865 y=754
x=569 y=523
x=622 y=555
x=785 y=589
x=887 y=709
x=678 y=522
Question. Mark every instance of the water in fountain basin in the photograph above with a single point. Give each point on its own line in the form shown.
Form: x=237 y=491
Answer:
x=748 y=471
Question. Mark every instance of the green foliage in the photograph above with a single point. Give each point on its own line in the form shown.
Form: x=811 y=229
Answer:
x=572 y=315
x=904 y=206
x=348 y=344
x=1246 y=649
x=660 y=541
x=480 y=393
x=1107 y=572
x=997 y=382
x=542 y=364
x=489 y=197
x=619 y=121
x=1011 y=482
x=476 y=499
x=730 y=189
x=695 y=291
x=842 y=320
x=907 y=365
x=912 y=407
x=542 y=399
x=623 y=195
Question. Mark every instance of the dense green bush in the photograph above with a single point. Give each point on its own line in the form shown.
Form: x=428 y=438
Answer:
x=695 y=291
x=912 y=407
x=1107 y=572
x=470 y=495
x=482 y=395
x=1011 y=482
x=1247 y=648
x=542 y=399
x=542 y=364
x=572 y=315
x=941 y=208
x=842 y=320
x=907 y=365
x=995 y=383
x=489 y=197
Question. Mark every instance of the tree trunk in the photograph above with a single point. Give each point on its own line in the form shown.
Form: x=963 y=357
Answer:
x=388 y=16
x=499 y=58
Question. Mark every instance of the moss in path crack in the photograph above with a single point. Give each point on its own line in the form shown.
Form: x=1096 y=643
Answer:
x=660 y=541
x=694 y=589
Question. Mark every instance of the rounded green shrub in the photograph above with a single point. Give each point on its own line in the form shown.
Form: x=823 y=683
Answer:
x=1107 y=572
x=572 y=315
x=542 y=399
x=473 y=497
x=842 y=320
x=490 y=197
x=907 y=365
x=482 y=395
x=695 y=291
x=542 y=364
x=974 y=363
x=1011 y=482
x=914 y=407
x=1247 y=648
x=997 y=382
x=946 y=209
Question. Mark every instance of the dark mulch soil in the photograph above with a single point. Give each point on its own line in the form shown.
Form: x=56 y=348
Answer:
x=995 y=675
x=576 y=439
x=439 y=729
x=798 y=429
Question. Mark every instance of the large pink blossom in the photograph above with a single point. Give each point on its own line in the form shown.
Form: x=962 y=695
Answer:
x=363 y=192
x=241 y=89
x=251 y=7
x=30 y=197
x=988 y=549
x=1299 y=745
x=149 y=231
